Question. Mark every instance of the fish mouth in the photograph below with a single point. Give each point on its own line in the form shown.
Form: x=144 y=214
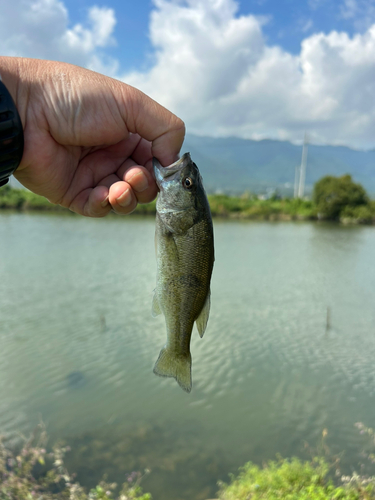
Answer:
x=162 y=173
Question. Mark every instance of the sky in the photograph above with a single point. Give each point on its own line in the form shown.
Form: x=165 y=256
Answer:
x=252 y=69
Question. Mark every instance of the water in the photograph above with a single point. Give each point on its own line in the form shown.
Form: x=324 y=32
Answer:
x=78 y=343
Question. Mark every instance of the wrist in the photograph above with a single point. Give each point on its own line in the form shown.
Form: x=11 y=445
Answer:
x=15 y=74
x=11 y=131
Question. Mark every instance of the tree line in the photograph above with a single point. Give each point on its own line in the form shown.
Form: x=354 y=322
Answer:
x=333 y=198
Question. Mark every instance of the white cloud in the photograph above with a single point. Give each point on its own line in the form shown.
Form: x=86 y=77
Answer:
x=40 y=29
x=203 y=52
x=215 y=70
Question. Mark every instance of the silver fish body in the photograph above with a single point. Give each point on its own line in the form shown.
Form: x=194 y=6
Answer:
x=185 y=256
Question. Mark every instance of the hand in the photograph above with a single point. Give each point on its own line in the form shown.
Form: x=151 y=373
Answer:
x=89 y=139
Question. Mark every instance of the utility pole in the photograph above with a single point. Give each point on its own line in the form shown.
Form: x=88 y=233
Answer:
x=302 y=177
x=296 y=181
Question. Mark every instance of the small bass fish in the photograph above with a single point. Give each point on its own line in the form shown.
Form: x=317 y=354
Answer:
x=184 y=244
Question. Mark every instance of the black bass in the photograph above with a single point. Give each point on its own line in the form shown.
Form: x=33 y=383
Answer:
x=185 y=257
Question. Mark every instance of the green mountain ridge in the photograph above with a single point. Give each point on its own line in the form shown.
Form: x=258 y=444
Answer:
x=234 y=165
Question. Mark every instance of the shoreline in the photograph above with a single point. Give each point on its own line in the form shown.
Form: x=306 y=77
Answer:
x=245 y=207
x=238 y=216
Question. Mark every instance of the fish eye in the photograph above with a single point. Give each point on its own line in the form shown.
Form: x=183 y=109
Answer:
x=187 y=182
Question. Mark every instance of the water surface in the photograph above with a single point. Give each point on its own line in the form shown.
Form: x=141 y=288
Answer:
x=78 y=344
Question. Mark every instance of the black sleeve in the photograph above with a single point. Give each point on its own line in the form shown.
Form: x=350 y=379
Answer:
x=11 y=136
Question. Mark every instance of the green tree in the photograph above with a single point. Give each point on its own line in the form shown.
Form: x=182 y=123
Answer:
x=333 y=194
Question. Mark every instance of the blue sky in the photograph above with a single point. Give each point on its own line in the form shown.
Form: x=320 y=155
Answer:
x=133 y=48
x=286 y=22
x=252 y=69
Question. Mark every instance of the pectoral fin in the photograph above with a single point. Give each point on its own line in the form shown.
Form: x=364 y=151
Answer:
x=155 y=311
x=202 y=319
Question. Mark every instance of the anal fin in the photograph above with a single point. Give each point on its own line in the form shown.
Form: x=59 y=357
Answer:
x=202 y=319
x=155 y=310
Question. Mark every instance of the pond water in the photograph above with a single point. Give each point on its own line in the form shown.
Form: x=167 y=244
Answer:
x=78 y=344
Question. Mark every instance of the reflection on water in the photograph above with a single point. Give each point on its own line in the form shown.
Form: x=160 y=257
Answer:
x=78 y=343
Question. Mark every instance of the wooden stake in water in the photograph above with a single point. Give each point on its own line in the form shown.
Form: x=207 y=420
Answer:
x=328 y=320
x=103 y=325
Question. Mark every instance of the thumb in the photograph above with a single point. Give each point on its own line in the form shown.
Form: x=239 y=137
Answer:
x=155 y=123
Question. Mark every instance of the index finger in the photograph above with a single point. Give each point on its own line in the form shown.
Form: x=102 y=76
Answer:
x=155 y=123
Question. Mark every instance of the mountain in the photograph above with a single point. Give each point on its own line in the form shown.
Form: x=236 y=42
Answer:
x=235 y=165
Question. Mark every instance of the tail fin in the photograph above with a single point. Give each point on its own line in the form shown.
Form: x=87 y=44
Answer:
x=169 y=364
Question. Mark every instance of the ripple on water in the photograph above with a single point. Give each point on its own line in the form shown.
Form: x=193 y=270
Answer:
x=267 y=376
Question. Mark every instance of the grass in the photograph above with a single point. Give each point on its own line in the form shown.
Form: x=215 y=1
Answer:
x=294 y=480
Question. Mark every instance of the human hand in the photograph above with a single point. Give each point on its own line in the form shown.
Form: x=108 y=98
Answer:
x=89 y=139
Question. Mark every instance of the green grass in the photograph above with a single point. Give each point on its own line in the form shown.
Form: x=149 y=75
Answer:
x=294 y=480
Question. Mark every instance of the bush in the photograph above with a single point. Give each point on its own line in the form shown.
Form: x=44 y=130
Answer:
x=224 y=205
x=35 y=474
x=333 y=194
x=22 y=199
x=292 y=480
x=362 y=214
x=248 y=207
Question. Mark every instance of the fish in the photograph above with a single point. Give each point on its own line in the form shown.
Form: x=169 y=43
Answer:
x=184 y=244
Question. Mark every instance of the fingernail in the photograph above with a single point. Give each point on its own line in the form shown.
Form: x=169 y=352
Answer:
x=105 y=202
x=125 y=199
x=139 y=182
